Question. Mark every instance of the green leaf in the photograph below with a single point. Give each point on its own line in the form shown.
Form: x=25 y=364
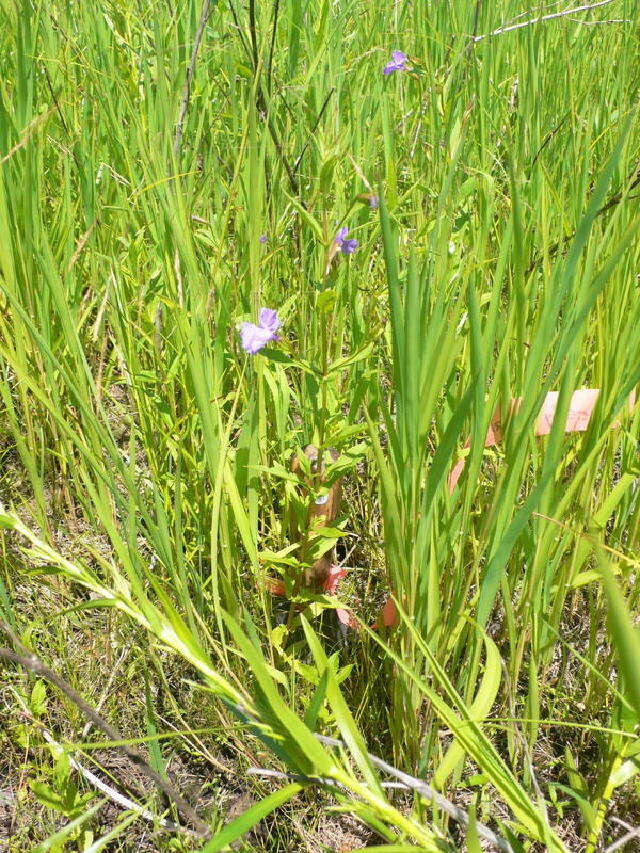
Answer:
x=304 y=750
x=47 y=796
x=326 y=300
x=67 y=831
x=625 y=638
x=317 y=700
x=478 y=710
x=38 y=699
x=472 y=838
x=588 y=811
x=343 y=716
x=348 y=360
x=470 y=735
x=242 y=824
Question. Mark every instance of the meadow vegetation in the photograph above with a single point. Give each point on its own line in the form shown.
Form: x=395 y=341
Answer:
x=168 y=171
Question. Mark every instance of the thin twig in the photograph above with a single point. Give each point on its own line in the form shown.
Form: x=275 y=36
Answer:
x=585 y=8
x=276 y=11
x=31 y=127
x=33 y=664
x=82 y=242
x=262 y=107
x=624 y=824
x=237 y=24
x=634 y=179
x=603 y=21
x=616 y=198
x=293 y=777
x=107 y=689
x=415 y=784
x=55 y=99
x=186 y=92
x=261 y=103
x=476 y=21
x=547 y=140
x=252 y=31
x=110 y=792
x=313 y=780
x=314 y=128
x=407 y=782
x=633 y=833
x=115 y=796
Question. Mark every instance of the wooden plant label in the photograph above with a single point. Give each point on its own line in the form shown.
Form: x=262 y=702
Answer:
x=580 y=410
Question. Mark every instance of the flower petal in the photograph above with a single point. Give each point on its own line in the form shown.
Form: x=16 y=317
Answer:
x=268 y=319
x=397 y=63
x=253 y=338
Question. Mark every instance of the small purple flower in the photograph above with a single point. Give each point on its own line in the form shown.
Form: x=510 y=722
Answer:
x=253 y=338
x=398 y=63
x=268 y=319
x=262 y=239
x=347 y=246
x=374 y=201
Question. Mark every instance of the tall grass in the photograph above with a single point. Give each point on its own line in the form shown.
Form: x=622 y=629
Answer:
x=147 y=457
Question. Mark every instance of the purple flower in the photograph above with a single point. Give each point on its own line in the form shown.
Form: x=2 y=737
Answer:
x=262 y=239
x=374 y=201
x=347 y=246
x=398 y=63
x=268 y=319
x=253 y=338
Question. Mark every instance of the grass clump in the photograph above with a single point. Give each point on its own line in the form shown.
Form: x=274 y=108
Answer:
x=448 y=237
